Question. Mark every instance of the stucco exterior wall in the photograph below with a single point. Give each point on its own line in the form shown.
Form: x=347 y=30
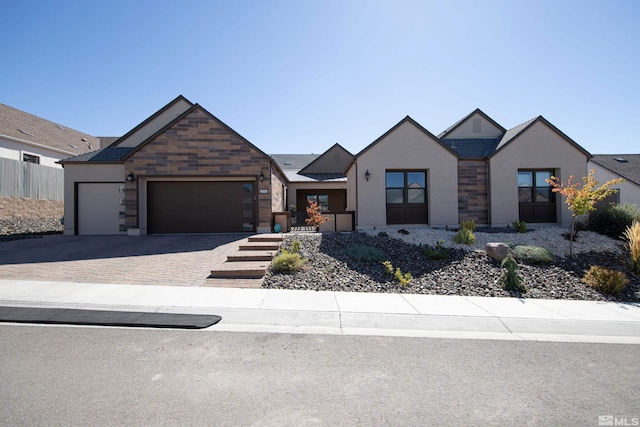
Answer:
x=14 y=150
x=75 y=173
x=155 y=125
x=629 y=192
x=407 y=147
x=538 y=148
x=465 y=130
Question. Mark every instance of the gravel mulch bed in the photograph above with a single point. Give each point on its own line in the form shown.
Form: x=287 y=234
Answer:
x=25 y=228
x=465 y=272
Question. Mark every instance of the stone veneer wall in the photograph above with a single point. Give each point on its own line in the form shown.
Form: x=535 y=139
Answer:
x=473 y=191
x=198 y=146
x=18 y=207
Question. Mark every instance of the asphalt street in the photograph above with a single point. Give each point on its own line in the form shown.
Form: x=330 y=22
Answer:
x=52 y=375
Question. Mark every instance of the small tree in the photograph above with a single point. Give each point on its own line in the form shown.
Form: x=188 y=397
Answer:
x=315 y=219
x=581 y=201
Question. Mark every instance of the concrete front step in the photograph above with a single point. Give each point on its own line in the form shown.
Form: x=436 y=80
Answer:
x=252 y=256
x=244 y=269
x=267 y=237
x=259 y=246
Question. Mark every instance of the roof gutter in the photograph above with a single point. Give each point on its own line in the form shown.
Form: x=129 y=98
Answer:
x=35 y=144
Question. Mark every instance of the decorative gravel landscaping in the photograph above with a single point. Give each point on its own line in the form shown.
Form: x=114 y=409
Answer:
x=333 y=264
x=23 y=228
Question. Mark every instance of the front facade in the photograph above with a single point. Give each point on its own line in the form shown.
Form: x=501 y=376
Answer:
x=180 y=171
x=475 y=170
x=184 y=171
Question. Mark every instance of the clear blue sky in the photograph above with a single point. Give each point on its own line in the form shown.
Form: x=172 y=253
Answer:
x=299 y=76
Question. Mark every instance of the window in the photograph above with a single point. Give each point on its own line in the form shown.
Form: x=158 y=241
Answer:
x=30 y=158
x=537 y=201
x=321 y=199
x=406 y=195
x=406 y=187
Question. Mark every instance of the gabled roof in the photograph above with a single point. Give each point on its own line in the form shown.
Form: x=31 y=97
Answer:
x=467 y=117
x=472 y=148
x=337 y=149
x=149 y=119
x=194 y=108
x=400 y=123
x=29 y=129
x=625 y=165
x=514 y=133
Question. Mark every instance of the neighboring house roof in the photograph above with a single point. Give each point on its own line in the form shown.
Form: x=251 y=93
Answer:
x=467 y=117
x=472 y=148
x=400 y=123
x=625 y=165
x=294 y=176
x=513 y=134
x=16 y=125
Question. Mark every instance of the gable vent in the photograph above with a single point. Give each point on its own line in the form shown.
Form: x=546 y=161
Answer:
x=622 y=160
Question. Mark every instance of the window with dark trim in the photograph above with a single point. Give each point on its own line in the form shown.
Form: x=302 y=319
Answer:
x=406 y=187
x=532 y=187
x=30 y=158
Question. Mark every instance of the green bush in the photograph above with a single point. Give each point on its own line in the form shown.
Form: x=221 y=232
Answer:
x=510 y=279
x=437 y=253
x=468 y=224
x=287 y=262
x=383 y=234
x=532 y=254
x=520 y=226
x=365 y=253
x=464 y=236
x=605 y=280
x=614 y=220
x=295 y=246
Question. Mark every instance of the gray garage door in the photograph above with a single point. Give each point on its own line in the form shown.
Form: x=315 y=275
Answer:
x=200 y=207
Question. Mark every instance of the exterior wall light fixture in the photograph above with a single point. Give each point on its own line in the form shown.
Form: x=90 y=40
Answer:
x=261 y=177
x=131 y=177
x=367 y=175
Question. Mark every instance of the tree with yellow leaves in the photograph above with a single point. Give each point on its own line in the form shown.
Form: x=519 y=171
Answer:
x=582 y=201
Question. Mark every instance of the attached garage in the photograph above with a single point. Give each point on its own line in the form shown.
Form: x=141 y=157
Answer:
x=100 y=208
x=201 y=207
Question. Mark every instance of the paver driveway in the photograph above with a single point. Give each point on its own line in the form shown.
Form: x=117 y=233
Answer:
x=182 y=260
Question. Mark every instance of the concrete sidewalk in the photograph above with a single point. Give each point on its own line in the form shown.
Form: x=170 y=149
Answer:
x=344 y=313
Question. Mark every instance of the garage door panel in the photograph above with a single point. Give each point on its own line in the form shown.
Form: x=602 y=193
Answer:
x=200 y=207
x=99 y=207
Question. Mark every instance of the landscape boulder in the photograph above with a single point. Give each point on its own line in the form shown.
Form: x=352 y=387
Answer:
x=497 y=250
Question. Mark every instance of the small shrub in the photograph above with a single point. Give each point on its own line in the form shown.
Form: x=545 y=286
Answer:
x=468 y=224
x=295 y=246
x=365 y=253
x=464 y=236
x=287 y=262
x=510 y=279
x=614 y=220
x=520 y=226
x=383 y=234
x=402 y=279
x=632 y=235
x=437 y=253
x=314 y=217
x=532 y=254
x=388 y=267
x=605 y=280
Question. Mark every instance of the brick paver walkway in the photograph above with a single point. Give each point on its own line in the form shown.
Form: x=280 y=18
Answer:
x=177 y=260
